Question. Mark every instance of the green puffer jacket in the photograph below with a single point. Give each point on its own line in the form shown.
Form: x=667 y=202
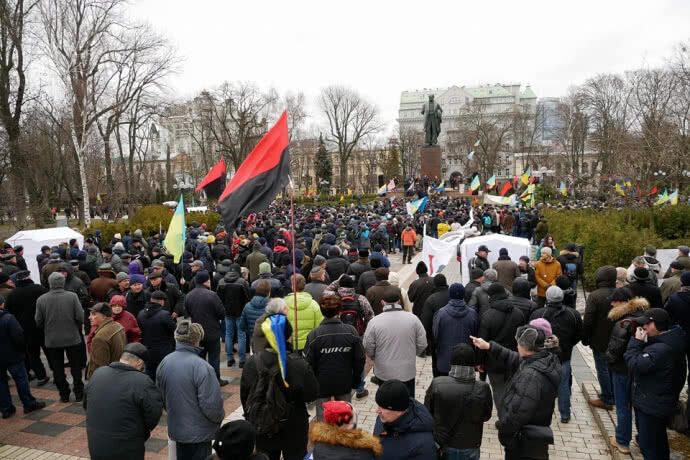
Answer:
x=308 y=316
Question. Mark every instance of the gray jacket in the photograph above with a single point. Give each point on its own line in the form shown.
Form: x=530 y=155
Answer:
x=191 y=393
x=59 y=314
x=393 y=339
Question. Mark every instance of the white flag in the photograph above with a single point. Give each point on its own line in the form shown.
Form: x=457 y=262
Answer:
x=436 y=254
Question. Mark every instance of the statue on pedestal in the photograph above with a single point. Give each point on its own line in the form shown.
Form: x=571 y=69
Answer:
x=432 y=121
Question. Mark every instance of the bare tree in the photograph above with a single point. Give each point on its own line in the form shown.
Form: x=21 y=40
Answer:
x=14 y=15
x=294 y=104
x=571 y=133
x=350 y=118
x=409 y=142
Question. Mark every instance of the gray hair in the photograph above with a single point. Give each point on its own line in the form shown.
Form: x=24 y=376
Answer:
x=490 y=274
x=129 y=358
x=276 y=305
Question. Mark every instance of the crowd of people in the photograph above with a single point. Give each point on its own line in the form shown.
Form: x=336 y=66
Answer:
x=301 y=323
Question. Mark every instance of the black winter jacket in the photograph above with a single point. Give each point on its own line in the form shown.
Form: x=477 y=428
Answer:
x=334 y=351
x=234 y=293
x=522 y=297
x=529 y=398
x=175 y=302
x=410 y=437
x=649 y=290
x=137 y=302
x=622 y=330
x=157 y=332
x=566 y=324
x=119 y=422
x=357 y=268
x=303 y=388
x=658 y=370
x=499 y=324
x=12 y=343
x=204 y=307
x=596 y=326
x=434 y=303
x=419 y=291
x=460 y=406
x=336 y=266
x=22 y=304
x=678 y=308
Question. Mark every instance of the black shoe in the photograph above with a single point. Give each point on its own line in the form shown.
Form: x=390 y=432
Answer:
x=565 y=419
x=362 y=394
x=231 y=363
x=42 y=381
x=38 y=405
x=241 y=365
x=9 y=413
x=223 y=382
x=64 y=398
x=78 y=397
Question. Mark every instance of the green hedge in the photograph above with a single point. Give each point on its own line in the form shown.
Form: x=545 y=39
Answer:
x=151 y=218
x=615 y=237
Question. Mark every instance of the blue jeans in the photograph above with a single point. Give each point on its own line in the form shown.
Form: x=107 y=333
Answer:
x=622 y=393
x=564 y=390
x=21 y=379
x=451 y=453
x=651 y=436
x=232 y=323
x=604 y=376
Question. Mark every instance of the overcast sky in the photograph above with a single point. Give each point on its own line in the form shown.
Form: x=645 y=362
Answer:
x=381 y=48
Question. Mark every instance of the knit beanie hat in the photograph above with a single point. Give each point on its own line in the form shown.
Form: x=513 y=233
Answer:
x=393 y=395
x=463 y=355
x=122 y=276
x=554 y=294
x=456 y=291
x=189 y=332
x=495 y=289
x=137 y=279
x=685 y=279
x=119 y=300
x=235 y=440
x=264 y=267
x=337 y=412
x=421 y=268
x=201 y=277
x=543 y=324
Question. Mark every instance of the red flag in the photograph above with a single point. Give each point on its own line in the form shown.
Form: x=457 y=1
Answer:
x=639 y=192
x=506 y=187
x=653 y=191
x=260 y=177
x=213 y=179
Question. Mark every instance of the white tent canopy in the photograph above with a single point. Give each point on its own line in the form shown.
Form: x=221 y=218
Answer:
x=516 y=247
x=33 y=240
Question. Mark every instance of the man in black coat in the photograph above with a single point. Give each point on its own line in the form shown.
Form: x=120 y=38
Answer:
x=566 y=324
x=233 y=291
x=420 y=289
x=678 y=308
x=174 y=297
x=434 y=303
x=336 y=265
x=204 y=307
x=360 y=266
x=367 y=278
x=334 y=351
x=122 y=407
x=22 y=304
x=302 y=387
x=596 y=332
x=642 y=285
x=499 y=324
x=531 y=393
x=157 y=331
x=460 y=404
x=522 y=298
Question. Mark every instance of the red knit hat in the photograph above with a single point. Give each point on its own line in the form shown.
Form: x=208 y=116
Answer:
x=337 y=412
x=119 y=300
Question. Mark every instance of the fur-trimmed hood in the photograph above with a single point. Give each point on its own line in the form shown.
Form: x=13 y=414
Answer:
x=632 y=306
x=353 y=439
x=565 y=252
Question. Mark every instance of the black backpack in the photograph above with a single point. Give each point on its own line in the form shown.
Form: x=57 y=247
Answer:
x=267 y=408
x=351 y=313
x=570 y=270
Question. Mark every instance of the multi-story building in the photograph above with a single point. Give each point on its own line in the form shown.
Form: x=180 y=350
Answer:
x=500 y=100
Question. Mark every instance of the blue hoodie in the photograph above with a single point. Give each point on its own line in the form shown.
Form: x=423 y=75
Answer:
x=251 y=312
x=453 y=325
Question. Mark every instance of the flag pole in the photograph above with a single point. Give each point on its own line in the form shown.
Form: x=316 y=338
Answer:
x=294 y=261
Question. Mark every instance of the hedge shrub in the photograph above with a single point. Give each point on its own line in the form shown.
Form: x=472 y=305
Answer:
x=615 y=237
x=150 y=219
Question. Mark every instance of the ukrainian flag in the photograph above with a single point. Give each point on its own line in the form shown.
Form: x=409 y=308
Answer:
x=619 y=189
x=564 y=189
x=525 y=176
x=476 y=183
x=274 y=330
x=416 y=205
x=673 y=198
x=491 y=182
x=663 y=198
x=175 y=238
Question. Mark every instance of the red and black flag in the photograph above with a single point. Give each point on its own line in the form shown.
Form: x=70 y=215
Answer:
x=506 y=187
x=214 y=182
x=259 y=178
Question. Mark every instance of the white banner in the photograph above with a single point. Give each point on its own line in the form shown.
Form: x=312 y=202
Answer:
x=436 y=254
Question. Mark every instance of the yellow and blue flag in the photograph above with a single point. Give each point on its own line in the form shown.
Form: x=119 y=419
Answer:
x=619 y=189
x=673 y=198
x=491 y=183
x=477 y=142
x=476 y=183
x=663 y=198
x=442 y=187
x=177 y=232
x=416 y=205
x=564 y=189
x=273 y=328
x=525 y=176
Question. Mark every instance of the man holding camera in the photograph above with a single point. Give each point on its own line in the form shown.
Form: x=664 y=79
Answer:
x=655 y=360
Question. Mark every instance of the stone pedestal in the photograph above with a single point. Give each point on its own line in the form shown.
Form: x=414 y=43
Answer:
x=430 y=162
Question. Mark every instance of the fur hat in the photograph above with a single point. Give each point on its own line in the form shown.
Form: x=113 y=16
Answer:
x=189 y=332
